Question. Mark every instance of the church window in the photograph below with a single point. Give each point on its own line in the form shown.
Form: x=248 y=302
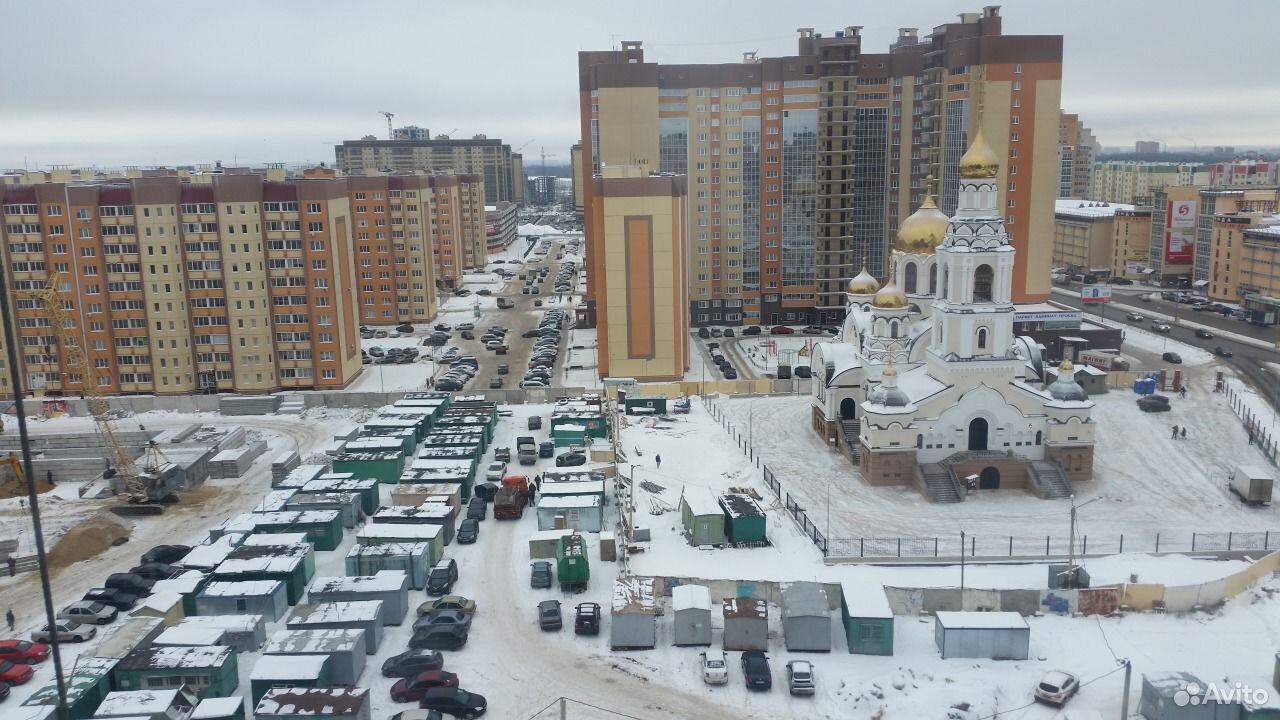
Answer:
x=982 y=279
x=919 y=442
x=893 y=329
x=982 y=338
x=933 y=279
x=1039 y=436
x=909 y=276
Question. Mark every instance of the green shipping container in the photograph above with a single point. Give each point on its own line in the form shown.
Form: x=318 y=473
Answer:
x=652 y=404
x=592 y=421
x=743 y=518
x=867 y=618
x=569 y=435
x=702 y=517
x=384 y=467
x=572 y=568
x=289 y=570
x=273 y=671
x=87 y=684
x=366 y=488
x=210 y=670
x=323 y=527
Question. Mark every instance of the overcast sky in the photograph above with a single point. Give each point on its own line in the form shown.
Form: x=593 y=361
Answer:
x=150 y=82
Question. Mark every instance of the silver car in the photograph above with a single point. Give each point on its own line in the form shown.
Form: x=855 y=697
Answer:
x=89 y=612
x=67 y=631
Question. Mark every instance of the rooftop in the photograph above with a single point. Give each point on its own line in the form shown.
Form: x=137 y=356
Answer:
x=1088 y=209
x=400 y=531
x=865 y=600
x=748 y=608
x=331 y=612
x=288 y=667
x=190 y=635
x=212 y=708
x=981 y=620
x=684 y=597
x=241 y=588
x=740 y=505
x=167 y=657
x=309 y=642
x=138 y=702
x=312 y=701
x=570 y=501
x=633 y=595
x=701 y=501
x=382 y=580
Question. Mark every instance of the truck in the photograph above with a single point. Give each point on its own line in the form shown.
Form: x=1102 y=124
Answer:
x=1103 y=360
x=505 y=303
x=1253 y=484
x=572 y=569
x=682 y=405
x=508 y=503
x=527 y=449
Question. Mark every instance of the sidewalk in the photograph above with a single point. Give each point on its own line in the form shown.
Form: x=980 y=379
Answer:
x=1181 y=322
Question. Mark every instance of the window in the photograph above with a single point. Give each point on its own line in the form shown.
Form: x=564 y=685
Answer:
x=1017 y=68
x=909 y=277
x=982 y=279
x=982 y=338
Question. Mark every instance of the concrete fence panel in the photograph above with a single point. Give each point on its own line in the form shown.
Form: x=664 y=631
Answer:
x=1141 y=596
x=1062 y=602
x=936 y=599
x=905 y=601
x=1023 y=602
x=1239 y=582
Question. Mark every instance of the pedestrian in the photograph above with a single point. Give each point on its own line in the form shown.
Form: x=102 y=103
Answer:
x=1175 y=432
x=1184 y=392
x=9 y=618
x=1251 y=438
x=1184 y=432
x=658 y=459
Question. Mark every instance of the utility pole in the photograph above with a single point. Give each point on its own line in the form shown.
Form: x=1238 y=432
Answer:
x=1124 y=699
x=1071 y=543
x=961 y=569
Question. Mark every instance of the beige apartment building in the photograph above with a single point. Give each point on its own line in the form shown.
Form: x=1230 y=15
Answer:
x=1242 y=259
x=1077 y=150
x=575 y=162
x=1106 y=239
x=800 y=167
x=640 y=225
x=501 y=169
x=1124 y=181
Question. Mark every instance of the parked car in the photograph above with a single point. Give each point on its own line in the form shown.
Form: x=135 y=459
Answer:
x=546 y=449
x=715 y=668
x=549 y=615
x=117 y=599
x=418 y=714
x=91 y=613
x=755 y=669
x=781 y=330
x=1056 y=688
x=442 y=577
x=455 y=701
x=1204 y=334
x=164 y=554
x=443 y=618
x=800 y=679
x=586 y=619
x=504 y=369
x=1153 y=403
x=477 y=509
x=412 y=662
x=12 y=673
x=156 y=571
x=1223 y=352
x=130 y=583
x=812 y=330
x=540 y=576
x=1172 y=357
x=66 y=631
x=23 y=651
x=405 y=328
x=468 y=532
x=445 y=637
x=752 y=330
x=495 y=472
x=535 y=422
x=802 y=371
x=571 y=459
x=458 y=603
x=1136 y=317
x=704 y=333
x=412 y=689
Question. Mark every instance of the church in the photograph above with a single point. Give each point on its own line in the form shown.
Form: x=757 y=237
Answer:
x=927 y=385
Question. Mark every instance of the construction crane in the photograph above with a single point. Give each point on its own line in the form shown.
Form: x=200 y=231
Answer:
x=523 y=146
x=140 y=488
x=390 y=134
x=15 y=466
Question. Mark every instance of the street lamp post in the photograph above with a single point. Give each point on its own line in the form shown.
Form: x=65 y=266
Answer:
x=1071 y=543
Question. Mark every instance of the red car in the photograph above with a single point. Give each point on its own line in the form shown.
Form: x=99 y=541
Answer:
x=23 y=651
x=782 y=330
x=14 y=674
x=412 y=689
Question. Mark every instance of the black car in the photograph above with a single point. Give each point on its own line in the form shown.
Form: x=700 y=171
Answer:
x=442 y=637
x=477 y=509
x=1153 y=403
x=540 y=577
x=587 y=619
x=1172 y=357
x=486 y=490
x=504 y=369
x=549 y=617
x=130 y=583
x=1223 y=352
x=454 y=701
x=165 y=554
x=704 y=333
x=802 y=371
x=752 y=330
x=404 y=328
x=468 y=532
x=546 y=449
x=442 y=577
x=755 y=669
x=468 y=335
x=412 y=662
x=571 y=459
x=1204 y=334
x=117 y=599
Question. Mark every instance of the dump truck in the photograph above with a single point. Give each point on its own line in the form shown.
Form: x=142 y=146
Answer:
x=571 y=563
x=527 y=449
x=508 y=504
x=1253 y=484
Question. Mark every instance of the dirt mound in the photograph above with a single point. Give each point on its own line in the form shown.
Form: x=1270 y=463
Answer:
x=87 y=540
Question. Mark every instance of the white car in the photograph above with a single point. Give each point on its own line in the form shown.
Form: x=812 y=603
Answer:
x=67 y=631
x=1056 y=687
x=86 y=611
x=800 y=679
x=715 y=669
x=496 y=472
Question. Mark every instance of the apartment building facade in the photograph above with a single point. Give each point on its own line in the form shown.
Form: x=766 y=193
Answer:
x=1124 y=181
x=236 y=285
x=394 y=234
x=502 y=170
x=802 y=166
x=575 y=164
x=1077 y=152
x=1243 y=173
x=1186 y=220
x=501 y=224
x=1109 y=240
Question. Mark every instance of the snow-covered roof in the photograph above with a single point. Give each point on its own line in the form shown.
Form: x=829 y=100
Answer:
x=297 y=517
x=1253 y=471
x=581 y=487
x=570 y=501
x=287 y=642
x=389 y=549
x=552 y=534
x=633 y=595
x=214 y=708
x=420 y=402
x=158 y=602
x=379 y=581
x=738 y=505
x=143 y=703
x=425 y=489
x=865 y=600
x=685 y=597
x=302 y=474
x=232 y=623
x=1075 y=207
x=442 y=464
x=953 y=620
x=183 y=585
x=429 y=510
x=399 y=531
x=841 y=356
x=334 y=484
x=242 y=523
x=371 y=456
x=162 y=657
x=701 y=501
x=190 y=635
x=374 y=444
x=264 y=564
x=571 y=476
x=274 y=500
x=288 y=667
x=918 y=384
x=312 y=701
x=805 y=599
x=277 y=540
x=342 y=611
x=208 y=556
x=242 y=588
x=749 y=608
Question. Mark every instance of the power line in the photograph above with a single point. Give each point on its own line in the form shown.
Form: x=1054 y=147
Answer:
x=563 y=699
x=1104 y=638
x=998 y=713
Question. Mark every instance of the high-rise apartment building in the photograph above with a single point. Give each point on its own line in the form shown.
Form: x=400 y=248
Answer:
x=491 y=159
x=393 y=232
x=575 y=168
x=1238 y=173
x=802 y=166
x=1106 y=239
x=1186 y=222
x=1077 y=150
x=411 y=132
x=1146 y=146
x=1126 y=181
x=239 y=284
x=638 y=223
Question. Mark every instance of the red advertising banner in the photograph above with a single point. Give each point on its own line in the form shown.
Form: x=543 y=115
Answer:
x=1180 y=232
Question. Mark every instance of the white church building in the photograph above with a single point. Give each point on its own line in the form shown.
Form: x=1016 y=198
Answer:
x=928 y=386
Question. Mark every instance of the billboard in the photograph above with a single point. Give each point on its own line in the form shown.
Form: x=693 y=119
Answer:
x=1182 y=213
x=1095 y=294
x=1180 y=232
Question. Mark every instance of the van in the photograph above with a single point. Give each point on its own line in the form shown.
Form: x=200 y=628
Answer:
x=443 y=575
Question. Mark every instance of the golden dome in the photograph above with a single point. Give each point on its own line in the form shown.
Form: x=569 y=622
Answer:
x=1066 y=367
x=889 y=372
x=980 y=160
x=863 y=283
x=890 y=296
x=924 y=230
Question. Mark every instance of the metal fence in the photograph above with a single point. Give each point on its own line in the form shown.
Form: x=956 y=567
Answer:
x=1049 y=546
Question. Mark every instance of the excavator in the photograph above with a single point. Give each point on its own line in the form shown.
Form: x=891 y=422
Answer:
x=142 y=488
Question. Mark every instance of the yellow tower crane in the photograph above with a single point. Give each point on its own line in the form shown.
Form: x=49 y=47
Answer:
x=140 y=488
